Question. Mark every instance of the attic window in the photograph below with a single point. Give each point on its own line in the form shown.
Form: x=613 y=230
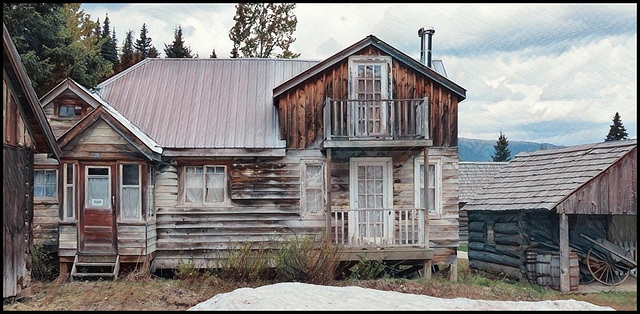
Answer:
x=68 y=111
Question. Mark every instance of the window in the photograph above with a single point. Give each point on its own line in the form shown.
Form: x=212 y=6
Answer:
x=313 y=193
x=69 y=111
x=151 y=206
x=130 y=199
x=434 y=187
x=205 y=185
x=370 y=84
x=44 y=183
x=69 y=192
x=98 y=192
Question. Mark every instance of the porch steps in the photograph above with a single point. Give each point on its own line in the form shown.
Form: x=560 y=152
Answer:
x=95 y=266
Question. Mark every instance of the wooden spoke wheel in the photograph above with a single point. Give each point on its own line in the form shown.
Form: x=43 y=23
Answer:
x=605 y=271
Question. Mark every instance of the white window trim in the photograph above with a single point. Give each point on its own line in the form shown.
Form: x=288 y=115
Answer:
x=55 y=193
x=121 y=187
x=303 y=187
x=224 y=203
x=71 y=185
x=364 y=59
x=437 y=162
x=150 y=197
x=387 y=198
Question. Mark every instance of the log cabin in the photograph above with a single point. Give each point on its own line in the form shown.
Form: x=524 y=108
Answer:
x=26 y=133
x=177 y=159
x=530 y=220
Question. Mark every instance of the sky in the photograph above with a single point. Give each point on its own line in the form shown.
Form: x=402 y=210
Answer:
x=544 y=73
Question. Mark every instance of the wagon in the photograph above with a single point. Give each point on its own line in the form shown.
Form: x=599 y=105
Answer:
x=607 y=262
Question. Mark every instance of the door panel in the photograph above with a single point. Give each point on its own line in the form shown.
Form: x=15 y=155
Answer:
x=97 y=211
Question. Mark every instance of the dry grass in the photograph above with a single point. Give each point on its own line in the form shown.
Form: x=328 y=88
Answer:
x=136 y=291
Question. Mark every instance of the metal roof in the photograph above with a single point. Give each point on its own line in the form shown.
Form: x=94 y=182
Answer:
x=544 y=178
x=203 y=103
x=473 y=175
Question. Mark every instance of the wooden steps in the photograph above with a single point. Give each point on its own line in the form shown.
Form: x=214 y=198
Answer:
x=95 y=266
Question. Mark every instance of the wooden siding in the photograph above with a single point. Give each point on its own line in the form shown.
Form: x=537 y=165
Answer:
x=45 y=224
x=101 y=142
x=17 y=203
x=68 y=239
x=612 y=192
x=14 y=129
x=61 y=125
x=300 y=109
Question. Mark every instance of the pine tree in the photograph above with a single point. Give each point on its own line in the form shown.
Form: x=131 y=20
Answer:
x=502 y=152
x=109 y=49
x=213 y=54
x=128 y=56
x=143 y=44
x=260 y=28
x=617 y=131
x=177 y=49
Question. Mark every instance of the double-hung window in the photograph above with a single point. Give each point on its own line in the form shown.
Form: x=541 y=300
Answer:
x=45 y=183
x=205 y=185
x=312 y=202
x=434 y=188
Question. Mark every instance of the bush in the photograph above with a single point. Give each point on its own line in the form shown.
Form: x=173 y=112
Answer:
x=186 y=270
x=307 y=260
x=41 y=265
x=244 y=264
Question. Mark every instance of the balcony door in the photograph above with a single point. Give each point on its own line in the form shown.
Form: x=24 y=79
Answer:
x=371 y=198
x=369 y=92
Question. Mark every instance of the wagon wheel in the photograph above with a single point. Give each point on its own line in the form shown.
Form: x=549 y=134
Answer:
x=605 y=271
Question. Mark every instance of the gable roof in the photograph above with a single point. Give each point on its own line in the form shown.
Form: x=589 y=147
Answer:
x=544 y=178
x=203 y=103
x=473 y=175
x=372 y=40
x=27 y=100
x=94 y=100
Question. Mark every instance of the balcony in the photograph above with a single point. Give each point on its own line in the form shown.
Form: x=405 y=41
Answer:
x=376 y=123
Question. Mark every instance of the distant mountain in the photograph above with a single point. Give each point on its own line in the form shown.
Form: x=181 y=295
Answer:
x=482 y=150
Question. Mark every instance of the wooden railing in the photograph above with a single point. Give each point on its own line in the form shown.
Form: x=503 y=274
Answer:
x=379 y=227
x=348 y=119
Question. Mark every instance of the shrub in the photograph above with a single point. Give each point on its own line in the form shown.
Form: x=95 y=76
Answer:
x=245 y=264
x=41 y=265
x=308 y=260
x=367 y=269
x=186 y=270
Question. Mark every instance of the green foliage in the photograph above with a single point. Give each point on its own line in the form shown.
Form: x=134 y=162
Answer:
x=617 y=131
x=109 y=48
x=502 y=152
x=186 y=270
x=177 y=49
x=367 y=269
x=243 y=264
x=128 y=55
x=41 y=264
x=260 y=28
x=308 y=260
x=143 y=44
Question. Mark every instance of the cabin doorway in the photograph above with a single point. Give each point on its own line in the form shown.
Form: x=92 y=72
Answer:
x=97 y=234
x=371 y=216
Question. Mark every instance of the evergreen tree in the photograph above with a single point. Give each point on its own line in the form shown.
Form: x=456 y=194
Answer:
x=177 y=49
x=143 y=44
x=502 y=152
x=109 y=48
x=213 y=54
x=128 y=55
x=617 y=131
x=260 y=28
x=153 y=52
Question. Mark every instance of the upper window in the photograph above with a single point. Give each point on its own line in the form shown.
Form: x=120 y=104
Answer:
x=205 y=185
x=312 y=200
x=45 y=183
x=369 y=76
x=434 y=187
x=68 y=111
x=130 y=185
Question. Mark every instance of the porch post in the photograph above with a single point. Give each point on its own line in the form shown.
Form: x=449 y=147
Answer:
x=427 y=263
x=565 y=276
x=327 y=202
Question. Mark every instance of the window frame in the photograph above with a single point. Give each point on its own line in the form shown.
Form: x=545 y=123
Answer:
x=86 y=186
x=183 y=186
x=65 y=194
x=437 y=163
x=77 y=111
x=122 y=186
x=385 y=84
x=304 y=212
x=150 y=194
x=53 y=197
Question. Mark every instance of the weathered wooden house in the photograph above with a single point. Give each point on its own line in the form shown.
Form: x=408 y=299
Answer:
x=260 y=150
x=26 y=132
x=472 y=176
x=538 y=208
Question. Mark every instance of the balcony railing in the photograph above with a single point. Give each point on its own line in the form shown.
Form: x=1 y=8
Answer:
x=378 y=227
x=352 y=119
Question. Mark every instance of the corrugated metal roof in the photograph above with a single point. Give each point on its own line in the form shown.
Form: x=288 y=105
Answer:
x=473 y=175
x=542 y=179
x=203 y=103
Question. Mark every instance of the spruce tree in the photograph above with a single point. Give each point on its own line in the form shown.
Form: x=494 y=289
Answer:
x=213 y=54
x=128 y=56
x=177 y=49
x=143 y=44
x=617 y=131
x=502 y=152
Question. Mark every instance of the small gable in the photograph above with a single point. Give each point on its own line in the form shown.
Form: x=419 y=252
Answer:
x=65 y=105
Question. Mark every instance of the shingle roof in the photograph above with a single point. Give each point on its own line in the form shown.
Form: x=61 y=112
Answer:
x=203 y=103
x=473 y=175
x=542 y=179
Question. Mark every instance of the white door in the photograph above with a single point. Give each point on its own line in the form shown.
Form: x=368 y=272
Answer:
x=371 y=216
x=370 y=88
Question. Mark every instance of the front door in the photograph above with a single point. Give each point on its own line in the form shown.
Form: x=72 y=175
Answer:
x=371 y=216
x=97 y=209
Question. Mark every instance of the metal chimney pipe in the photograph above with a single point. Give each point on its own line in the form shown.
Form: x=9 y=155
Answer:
x=421 y=32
